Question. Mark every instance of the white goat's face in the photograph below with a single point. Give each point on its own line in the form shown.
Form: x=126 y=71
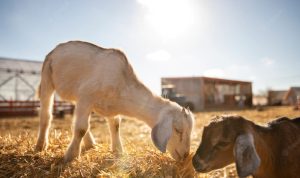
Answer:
x=174 y=133
x=179 y=143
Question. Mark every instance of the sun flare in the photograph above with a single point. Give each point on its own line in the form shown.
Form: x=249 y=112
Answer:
x=169 y=18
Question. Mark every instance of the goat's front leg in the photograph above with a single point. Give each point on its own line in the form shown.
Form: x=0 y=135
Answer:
x=114 y=127
x=80 y=129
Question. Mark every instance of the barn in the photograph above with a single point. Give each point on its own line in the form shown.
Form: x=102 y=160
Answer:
x=276 y=97
x=205 y=93
x=292 y=96
x=19 y=80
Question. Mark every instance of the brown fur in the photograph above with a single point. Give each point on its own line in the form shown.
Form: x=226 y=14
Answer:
x=277 y=145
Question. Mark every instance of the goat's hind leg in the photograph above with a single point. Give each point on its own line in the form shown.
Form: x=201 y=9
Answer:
x=46 y=99
x=114 y=127
x=80 y=129
x=89 y=141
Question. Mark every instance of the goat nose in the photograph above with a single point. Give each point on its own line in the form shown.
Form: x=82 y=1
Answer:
x=197 y=163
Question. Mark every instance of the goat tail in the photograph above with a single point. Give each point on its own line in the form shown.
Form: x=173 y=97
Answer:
x=46 y=76
x=38 y=92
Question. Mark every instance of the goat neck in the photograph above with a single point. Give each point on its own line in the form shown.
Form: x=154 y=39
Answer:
x=143 y=104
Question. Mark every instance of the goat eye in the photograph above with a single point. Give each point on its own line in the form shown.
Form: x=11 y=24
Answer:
x=178 y=131
x=222 y=144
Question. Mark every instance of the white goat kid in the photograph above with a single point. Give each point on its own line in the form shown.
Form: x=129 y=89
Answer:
x=102 y=80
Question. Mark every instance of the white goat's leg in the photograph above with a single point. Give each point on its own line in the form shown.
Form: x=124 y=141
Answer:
x=114 y=127
x=80 y=129
x=45 y=118
x=89 y=141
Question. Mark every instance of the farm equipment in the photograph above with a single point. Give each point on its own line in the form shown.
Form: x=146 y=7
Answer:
x=169 y=92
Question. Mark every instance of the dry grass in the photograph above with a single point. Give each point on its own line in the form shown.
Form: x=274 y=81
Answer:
x=18 y=159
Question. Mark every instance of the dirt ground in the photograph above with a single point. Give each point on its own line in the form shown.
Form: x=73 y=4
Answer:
x=18 y=158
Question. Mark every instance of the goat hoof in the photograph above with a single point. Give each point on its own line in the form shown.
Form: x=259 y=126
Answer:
x=40 y=147
x=68 y=159
x=118 y=152
x=71 y=155
x=88 y=147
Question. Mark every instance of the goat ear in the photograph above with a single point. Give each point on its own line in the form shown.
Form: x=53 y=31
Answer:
x=184 y=111
x=246 y=157
x=188 y=108
x=161 y=134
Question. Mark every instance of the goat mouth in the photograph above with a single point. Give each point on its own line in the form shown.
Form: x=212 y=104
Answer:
x=178 y=155
x=202 y=169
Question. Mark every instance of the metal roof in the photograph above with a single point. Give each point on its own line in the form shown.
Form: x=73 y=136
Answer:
x=210 y=79
x=295 y=90
x=18 y=65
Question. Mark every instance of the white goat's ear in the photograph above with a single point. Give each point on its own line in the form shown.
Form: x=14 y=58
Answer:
x=184 y=111
x=188 y=108
x=161 y=134
x=246 y=157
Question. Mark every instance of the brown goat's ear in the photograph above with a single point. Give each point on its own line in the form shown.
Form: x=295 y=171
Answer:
x=161 y=134
x=246 y=158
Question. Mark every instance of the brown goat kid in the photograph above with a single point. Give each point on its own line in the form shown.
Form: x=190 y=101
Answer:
x=262 y=152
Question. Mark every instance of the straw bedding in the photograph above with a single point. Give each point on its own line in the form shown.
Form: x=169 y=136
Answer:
x=141 y=159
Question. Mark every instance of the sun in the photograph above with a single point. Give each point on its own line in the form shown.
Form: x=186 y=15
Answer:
x=169 y=18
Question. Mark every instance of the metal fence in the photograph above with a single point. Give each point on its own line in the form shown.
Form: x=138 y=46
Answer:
x=30 y=108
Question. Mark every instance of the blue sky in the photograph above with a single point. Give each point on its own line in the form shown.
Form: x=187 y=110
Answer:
x=251 y=40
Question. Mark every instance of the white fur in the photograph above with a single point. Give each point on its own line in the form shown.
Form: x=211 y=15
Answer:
x=102 y=80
